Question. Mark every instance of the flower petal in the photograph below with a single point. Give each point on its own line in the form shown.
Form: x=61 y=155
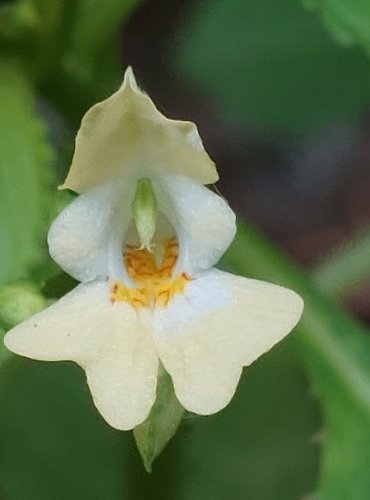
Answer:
x=86 y=237
x=125 y=133
x=204 y=222
x=221 y=323
x=110 y=341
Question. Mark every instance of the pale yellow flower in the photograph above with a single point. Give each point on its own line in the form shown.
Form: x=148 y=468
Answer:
x=142 y=238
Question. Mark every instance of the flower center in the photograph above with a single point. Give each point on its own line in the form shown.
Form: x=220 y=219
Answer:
x=155 y=284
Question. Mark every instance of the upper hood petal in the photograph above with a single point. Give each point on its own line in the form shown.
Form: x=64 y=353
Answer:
x=126 y=134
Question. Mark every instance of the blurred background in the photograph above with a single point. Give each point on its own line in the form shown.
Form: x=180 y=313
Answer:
x=280 y=92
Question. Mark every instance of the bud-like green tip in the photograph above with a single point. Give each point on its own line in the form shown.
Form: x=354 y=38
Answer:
x=144 y=209
x=19 y=301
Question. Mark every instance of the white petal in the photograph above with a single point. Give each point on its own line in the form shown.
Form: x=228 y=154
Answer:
x=86 y=238
x=126 y=133
x=110 y=341
x=204 y=222
x=221 y=323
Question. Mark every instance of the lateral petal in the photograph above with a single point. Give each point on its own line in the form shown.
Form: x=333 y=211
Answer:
x=221 y=323
x=109 y=341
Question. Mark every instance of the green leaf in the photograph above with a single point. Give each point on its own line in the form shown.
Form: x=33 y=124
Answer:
x=271 y=64
x=25 y=175
x=5 y=355
x=55 y=445
x=74 y=42
x=34 y=32
x=17 y=19
x=263 y=446
x=165 y=417
x=345 y=269
x=336 y=350
x=93 y=46
x=348 y=21
x=90 y=66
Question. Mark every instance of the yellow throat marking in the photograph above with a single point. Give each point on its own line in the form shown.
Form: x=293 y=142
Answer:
x=155 y=285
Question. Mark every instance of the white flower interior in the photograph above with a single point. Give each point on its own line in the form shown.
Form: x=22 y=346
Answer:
x=95 y=236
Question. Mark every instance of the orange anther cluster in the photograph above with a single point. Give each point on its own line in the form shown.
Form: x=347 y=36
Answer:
x=155 y=285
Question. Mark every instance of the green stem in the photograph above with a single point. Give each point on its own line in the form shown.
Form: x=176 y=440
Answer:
x=346 y=269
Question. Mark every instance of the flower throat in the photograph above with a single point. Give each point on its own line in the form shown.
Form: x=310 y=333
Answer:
x=155 y=285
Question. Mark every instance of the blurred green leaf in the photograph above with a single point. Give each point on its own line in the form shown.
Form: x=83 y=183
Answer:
x=25 y=176
x=34 y=32
x=346 y=268
x=348 y=21
x=336 y=350
x=16 y=19
x=90 y=67
x=165 y=417
x=5 y=355
x=271 y=64
x=262 y=446
x=92 y=50
x=68 y=41
x=54 y=444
